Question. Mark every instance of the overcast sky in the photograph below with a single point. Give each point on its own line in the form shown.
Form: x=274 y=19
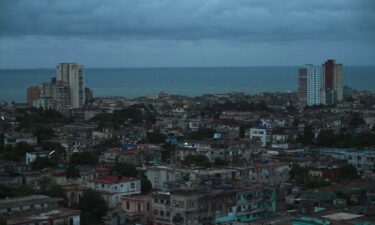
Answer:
x=147 y=33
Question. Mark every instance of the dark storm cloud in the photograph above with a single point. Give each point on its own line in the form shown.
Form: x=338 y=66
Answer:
x=254 y=20
x=117 y=33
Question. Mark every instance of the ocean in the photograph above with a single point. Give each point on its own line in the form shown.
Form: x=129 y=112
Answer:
x=135 y=82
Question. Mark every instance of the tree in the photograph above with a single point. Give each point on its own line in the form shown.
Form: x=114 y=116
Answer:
x=221 y=162
x=3 y=221
x=93 y=207
x=17 y=152
x=84 y=158
x=348 y=172
x=298 y=173
x=326 y=138
x=308 y=135
x=166 y=152
x=42 y=162
x=202 y=133
x=155 y=137
x=72 y=171
x=356 y=121
x=317 y=183
x=44 y=133
x=146 y=185
x=197 y=160
x=124 y=169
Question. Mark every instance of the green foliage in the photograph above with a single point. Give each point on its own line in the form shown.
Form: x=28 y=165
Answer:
x=49 y=146
x=93 y=207
x=356 y=121
x=348 y=172
x=197 y=160
x=84 y=158
x=341 y=195
x=30 y=118
x=202 y=133
x=317 y=183
x=24 y=190
x=110 y=143
x=124 y=169
x=43 y=133
x=5 y=191
x=42 y=162
x=17 y=152
x=166 y=152
x=308 y=136
x=72 y=171
x=298 y=173
x=131 y=115
x=55 y=191
x=155 y=137
x=3 y=221
x=328 y=138
x=221 y=162
x=146 y=185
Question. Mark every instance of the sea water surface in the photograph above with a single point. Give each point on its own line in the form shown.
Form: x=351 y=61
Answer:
x=135 y=82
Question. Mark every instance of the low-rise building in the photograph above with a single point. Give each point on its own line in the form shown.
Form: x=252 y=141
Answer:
x=138 y=209
x=261 y=134
x=15 y=138
x=213 y=206
x=113 y=188
x=56 y=216
x=362 y=159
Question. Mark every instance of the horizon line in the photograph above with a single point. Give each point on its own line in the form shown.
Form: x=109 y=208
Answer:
x=165 y=67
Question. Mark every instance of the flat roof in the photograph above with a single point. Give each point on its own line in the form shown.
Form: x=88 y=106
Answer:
x=114 y=180
x=42 y=216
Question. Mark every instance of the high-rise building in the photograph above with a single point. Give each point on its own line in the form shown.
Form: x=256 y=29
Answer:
x=309 y=85
x=313 y=85
x=72 y=75
x=302 y=86
x=332 y=84
x=33 y=92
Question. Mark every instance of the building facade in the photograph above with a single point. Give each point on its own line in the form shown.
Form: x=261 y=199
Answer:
x=33 y=92
x=313 y=85
x=309 y=85
x=302 y=86
x=332 y=85
x=72 y=74
x=112 y=188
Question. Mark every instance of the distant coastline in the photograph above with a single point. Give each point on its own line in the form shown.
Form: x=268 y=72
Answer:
x=189 y=81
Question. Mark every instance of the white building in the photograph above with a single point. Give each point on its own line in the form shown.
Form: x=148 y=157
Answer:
x=314 y=79
x=31 y=156
x=363 y=160
x=72 y=75
x=15 y=138
x=262 y=134
x=112 y=188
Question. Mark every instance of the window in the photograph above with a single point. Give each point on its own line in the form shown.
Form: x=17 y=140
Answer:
x=132 y=185
x=127 y=205
x=148 y=206
x=139 y=207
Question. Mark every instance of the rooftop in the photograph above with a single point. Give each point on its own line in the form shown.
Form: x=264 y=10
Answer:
x=44 y=216
x=114 y=179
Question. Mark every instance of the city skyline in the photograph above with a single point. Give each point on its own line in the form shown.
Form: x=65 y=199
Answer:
x=180 y=34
